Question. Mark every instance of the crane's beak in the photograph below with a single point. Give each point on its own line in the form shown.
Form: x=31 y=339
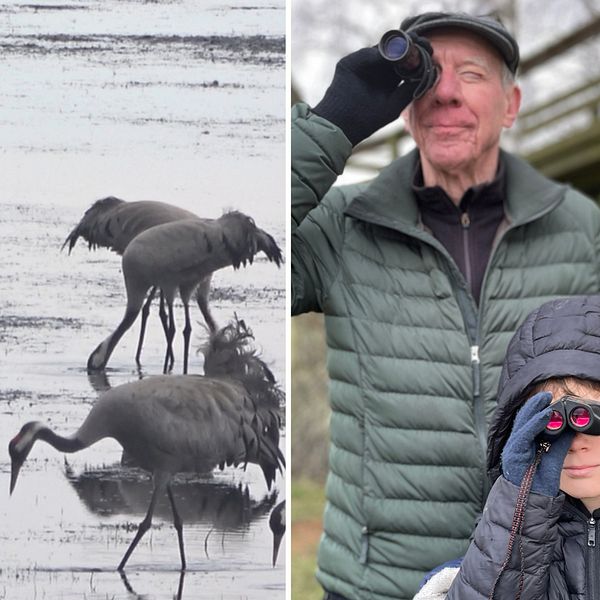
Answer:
x=15 y=467
x=276 y=543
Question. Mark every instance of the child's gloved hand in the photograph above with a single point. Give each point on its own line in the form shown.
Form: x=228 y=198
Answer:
x=365 y=93
x=520 y=449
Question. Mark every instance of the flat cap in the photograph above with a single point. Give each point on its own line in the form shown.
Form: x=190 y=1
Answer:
x=487 y=27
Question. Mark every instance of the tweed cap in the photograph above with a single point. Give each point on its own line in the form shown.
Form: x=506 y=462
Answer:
x=487 y=27
x=559 y=339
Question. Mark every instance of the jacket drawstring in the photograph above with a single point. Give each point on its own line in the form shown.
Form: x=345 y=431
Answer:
x=518 y=520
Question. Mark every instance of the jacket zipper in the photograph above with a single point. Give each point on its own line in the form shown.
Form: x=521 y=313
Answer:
x=478 y=408
x=465 y=222
x=471 y=317
x=592 y=560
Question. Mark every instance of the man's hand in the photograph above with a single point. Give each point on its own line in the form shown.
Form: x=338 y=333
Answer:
x=366 y=94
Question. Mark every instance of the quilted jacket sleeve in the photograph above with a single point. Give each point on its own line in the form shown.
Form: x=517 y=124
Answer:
x=319 y=154
x=487 y=551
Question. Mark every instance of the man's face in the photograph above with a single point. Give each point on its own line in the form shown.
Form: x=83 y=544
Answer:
x=457 y=124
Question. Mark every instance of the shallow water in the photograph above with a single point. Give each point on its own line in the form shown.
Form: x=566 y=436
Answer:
x=179 y=101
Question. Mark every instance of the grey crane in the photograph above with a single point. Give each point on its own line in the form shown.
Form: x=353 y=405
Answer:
x=112 y=223
x=177 y=256
x=175 y=423
x=277 y=525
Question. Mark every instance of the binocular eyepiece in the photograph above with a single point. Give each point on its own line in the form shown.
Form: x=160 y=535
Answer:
x=411 y=57
x=569 y=412
x=397 y=47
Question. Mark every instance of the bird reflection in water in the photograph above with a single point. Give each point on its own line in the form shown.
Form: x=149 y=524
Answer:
x=217 y=506
x=277 y=525
x=99 y=381
x=130 y=589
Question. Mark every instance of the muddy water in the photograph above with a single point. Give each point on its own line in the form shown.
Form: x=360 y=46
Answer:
x=180 y=101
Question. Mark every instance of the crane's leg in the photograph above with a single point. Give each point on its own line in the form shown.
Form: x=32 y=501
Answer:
x=160 y=482
x=170 y=335
x=180 y=588
x=202 y=293
x=145 y=312
x=164 y=319
x=126 y=582
x=178 y=523
x=187 y=330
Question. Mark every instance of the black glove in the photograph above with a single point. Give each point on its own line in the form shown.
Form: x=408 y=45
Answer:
x=365 y=93
x=520 y=449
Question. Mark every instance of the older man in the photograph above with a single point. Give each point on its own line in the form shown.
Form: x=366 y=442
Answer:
x=423 y=274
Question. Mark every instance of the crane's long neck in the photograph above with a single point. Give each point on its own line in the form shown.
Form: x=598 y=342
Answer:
x=99 y=357
x=62 y=444
x=20 y=446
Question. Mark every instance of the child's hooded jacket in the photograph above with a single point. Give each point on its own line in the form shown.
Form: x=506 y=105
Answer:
x=561 y=542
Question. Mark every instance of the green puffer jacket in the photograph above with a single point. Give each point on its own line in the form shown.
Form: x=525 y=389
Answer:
x=413 y=362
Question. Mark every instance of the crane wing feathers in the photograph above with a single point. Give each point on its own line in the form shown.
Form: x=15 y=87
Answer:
x=268 y=245
x=112 y=223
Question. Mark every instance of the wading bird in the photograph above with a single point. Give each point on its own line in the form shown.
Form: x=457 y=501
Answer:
x=176 y=423
x=277 y=525
x=178 y=256
x=112 y=223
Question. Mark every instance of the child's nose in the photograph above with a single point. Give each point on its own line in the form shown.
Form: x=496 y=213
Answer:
x=581 y=441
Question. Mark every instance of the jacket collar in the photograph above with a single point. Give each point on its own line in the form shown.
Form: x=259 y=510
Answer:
x=576 y=506
x=389 y=199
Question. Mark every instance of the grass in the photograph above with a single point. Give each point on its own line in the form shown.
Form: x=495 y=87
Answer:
x=308 y=499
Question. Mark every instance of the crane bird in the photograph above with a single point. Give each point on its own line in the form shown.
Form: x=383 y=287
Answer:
x=277 y=525
x=175 y=423
x=112 y=223
x=215 y=243
x=177 y=256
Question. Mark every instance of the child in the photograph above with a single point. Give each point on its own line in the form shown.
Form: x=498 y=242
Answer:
x=538 y=536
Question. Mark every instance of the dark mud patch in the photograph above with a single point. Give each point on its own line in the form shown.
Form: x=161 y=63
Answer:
x=27 y=398
x=253 y=8
x=252 y=49
x=17 y=322
x=215 y=84
x=48 y=7
x=239 y=295
x=9 y=395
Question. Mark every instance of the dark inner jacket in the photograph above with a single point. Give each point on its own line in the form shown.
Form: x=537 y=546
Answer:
x=468 y=230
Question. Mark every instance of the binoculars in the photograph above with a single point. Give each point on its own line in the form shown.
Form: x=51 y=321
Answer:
x=396 y=47
x=579 y=416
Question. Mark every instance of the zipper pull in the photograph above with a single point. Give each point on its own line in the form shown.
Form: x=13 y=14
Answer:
x=591 y=532
x=544 y=446
x=475 y=370
x=465 y=221
x=364 y=546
